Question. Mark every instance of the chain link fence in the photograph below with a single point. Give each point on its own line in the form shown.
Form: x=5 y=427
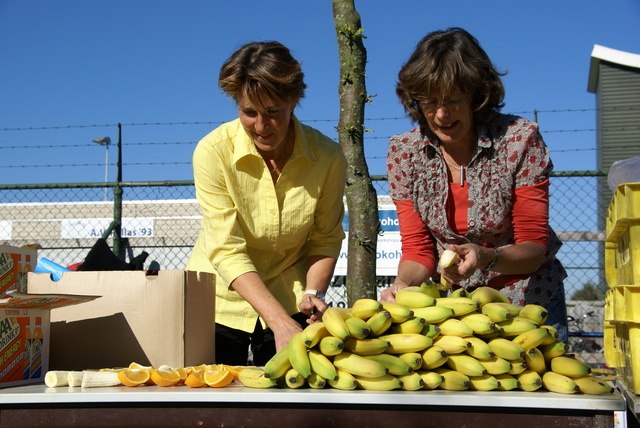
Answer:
x=163 y=219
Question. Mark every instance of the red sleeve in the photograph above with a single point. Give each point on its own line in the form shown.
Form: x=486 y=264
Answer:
x=531 y=213
x=417 y=242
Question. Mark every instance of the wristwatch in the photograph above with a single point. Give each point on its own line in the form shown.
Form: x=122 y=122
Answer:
x=494 y=261
x=317 y=293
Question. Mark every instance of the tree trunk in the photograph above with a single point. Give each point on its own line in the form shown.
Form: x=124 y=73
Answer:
x=362 y=201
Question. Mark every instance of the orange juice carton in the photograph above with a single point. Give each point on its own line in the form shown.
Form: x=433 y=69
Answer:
x=25 y=335
x=15 y=263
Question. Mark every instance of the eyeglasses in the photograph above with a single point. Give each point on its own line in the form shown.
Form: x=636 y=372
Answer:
x=432 y=105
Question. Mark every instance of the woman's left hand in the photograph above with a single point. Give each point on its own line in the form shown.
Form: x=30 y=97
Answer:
x=468 y=263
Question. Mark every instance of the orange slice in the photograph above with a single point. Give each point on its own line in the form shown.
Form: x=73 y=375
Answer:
x=196 y=379
x=183 y=375
x=133 y=377
x=165 y=377
x=218 y=379
x=140 y=366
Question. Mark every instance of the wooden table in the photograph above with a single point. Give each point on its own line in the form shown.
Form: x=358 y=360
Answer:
x=237 y=406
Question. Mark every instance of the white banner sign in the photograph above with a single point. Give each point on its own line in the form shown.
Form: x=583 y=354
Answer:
x=95 y=227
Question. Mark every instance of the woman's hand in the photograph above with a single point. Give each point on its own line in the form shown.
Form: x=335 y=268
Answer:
x=283 y=330
x=468 y=258
x=389 y=294
x=409 y=273
x=312 y=307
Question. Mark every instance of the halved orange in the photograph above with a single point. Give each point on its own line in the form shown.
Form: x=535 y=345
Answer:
x=196 y=379
x=183 y=375
x=219 y=378
x=165 y=377
x=133 y=377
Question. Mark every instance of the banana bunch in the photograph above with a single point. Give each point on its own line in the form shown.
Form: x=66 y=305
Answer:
x=476 y=341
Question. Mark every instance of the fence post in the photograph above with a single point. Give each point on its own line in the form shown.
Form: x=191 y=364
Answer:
x=117 y=203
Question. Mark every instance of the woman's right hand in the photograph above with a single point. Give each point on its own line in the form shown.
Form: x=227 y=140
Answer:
x=389 y=294
x=284 y=330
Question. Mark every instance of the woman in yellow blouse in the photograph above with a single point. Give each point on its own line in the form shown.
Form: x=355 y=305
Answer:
x=271 y=193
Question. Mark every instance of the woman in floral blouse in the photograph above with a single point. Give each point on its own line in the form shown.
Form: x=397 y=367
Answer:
x=471 y=179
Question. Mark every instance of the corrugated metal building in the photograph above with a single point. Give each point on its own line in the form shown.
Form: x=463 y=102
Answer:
x=614 y=77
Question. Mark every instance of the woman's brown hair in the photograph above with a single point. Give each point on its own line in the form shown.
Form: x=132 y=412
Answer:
x=261 y=72
x=446 y=61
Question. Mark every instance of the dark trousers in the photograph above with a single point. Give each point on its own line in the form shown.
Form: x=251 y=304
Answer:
x=232 y=346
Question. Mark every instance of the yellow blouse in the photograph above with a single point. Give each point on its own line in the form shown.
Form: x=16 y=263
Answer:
x=251 y=225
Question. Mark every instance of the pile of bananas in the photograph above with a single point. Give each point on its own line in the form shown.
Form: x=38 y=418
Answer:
x=466 y=341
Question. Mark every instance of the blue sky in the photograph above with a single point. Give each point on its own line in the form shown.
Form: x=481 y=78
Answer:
x=72 y=69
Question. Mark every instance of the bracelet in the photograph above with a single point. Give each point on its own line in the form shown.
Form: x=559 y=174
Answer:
x=317 y=293
x=493 y=261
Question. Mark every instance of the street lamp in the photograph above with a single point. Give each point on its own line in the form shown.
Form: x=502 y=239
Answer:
x=105 y=141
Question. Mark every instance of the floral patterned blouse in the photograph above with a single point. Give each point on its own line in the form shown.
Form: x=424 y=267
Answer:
x=510 y=154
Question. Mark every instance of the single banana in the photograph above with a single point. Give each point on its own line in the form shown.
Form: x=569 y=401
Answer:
x=394 y=364
x=517 y=366
x=516 y=325
x=278 y=365
x=379 y=323
x=590 y=384
x=496 y=365
x=466 y=364
x=358 y=365
x=455 y=327
x=459 y=292
x=535 y=360
x=553 y=350
x=448 y=258
x=411 y=382
x=74 y=378
x=398 y=312
x=535 y=313
x=313 y=333
x=453 y=380
x=358 y=328
x=532 y=338
x=92 y=379
x=505 y=348
x=433 y=357
x=459 y=305
x=414 y=298
x=371 y=346
x=431 y=330
x=254 y=378
x=452 y=344
x=414 y=359
x=431 y=379
x=365 y=308
x=496 y=333
x=479 y=348
x=433 y=314
x=316 y=381
x=321 y=365
x=507 y=382
x=299 y=355
x=402 y=343
x=483 y=383
x=294 y=379
x=430 y=288
x=56 y=378
x=413 y=325
x=556 y=382
x=381 y=383
x=529 y=380
x=345 y=381
x=568 y=366
x=553 y=334
x=486 y=294
x=478 y=322
x=496 y=312
x=335 y=323
x=330 y=346
x=514 y=310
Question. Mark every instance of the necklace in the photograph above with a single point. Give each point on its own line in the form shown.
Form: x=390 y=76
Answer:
x=461 y=168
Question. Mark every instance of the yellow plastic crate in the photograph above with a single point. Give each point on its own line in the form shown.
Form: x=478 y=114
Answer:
x=622 y=246
x=626 y=344
x=610 y=350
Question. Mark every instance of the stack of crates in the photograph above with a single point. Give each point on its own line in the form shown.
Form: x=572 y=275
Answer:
x=622 y=271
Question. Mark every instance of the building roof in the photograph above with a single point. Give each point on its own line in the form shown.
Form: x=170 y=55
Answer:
x=601 y=53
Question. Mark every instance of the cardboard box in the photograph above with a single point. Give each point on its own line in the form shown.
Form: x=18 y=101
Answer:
x=15 y=262
x=25 y=335
x=166 y=318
